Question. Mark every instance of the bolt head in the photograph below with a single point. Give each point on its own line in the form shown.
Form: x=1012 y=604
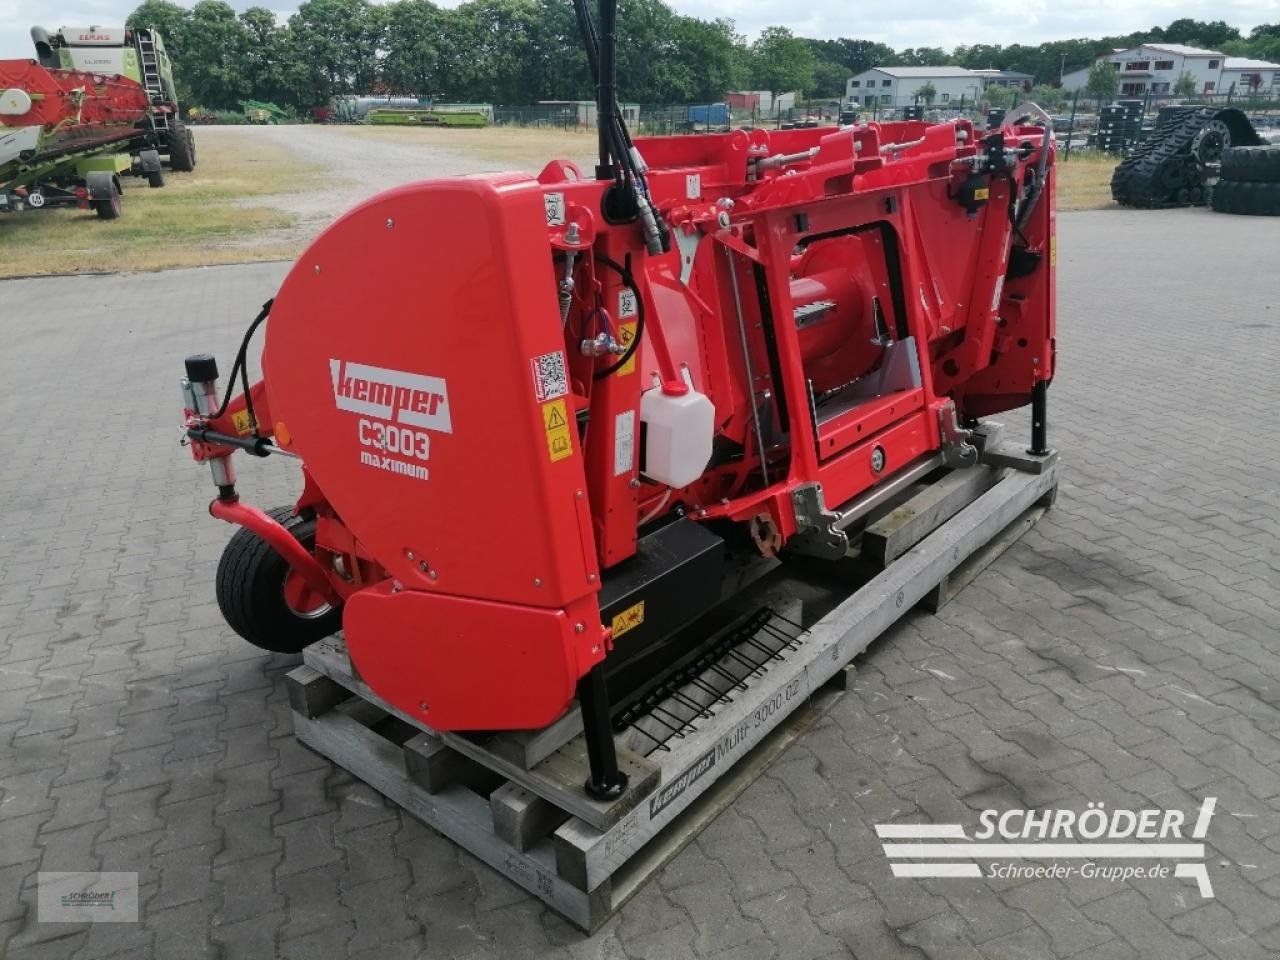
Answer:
x=537 y=581
x=390 y=223
x=579 y=627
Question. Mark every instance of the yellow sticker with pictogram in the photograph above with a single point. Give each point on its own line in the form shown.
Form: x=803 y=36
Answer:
x=626 y=335
x=556 y=424
x=982 y=193
x=240 y=420
x=628 y=619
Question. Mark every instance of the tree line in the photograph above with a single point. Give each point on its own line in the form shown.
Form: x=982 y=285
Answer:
x=522 y=51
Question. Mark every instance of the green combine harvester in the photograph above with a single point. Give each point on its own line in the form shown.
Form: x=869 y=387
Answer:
x=99 y=103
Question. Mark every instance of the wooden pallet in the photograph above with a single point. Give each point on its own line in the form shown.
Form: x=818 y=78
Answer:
x=522 y=810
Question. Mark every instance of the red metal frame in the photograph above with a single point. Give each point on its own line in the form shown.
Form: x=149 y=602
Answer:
x=301 y=561
x=470 y=463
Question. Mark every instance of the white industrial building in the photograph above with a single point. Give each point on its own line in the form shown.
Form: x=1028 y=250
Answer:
x=1154 y=68
x=1249 y=76
x=889 y=87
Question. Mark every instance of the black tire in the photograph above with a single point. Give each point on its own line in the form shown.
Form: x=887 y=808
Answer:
x=155 y=178
x=108 y=208
x=250 y=590
x=1247 y=199
x=181 y=144
x=1251 y=164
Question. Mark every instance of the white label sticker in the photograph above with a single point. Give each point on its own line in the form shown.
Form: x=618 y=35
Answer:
x=409 y=398
x=624 y=442
x=693 y=186
x=550 y=380
x=626 y=304
x=554 y=205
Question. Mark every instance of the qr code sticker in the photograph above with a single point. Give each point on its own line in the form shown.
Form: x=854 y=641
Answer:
x=550 y=380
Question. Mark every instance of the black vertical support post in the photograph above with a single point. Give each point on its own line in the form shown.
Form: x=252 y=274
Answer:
x=1039 y=419
x=605 y=82
x=606 y=781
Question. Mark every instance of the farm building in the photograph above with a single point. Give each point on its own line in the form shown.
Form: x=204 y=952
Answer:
x=1250 y=76
x=888 y=87
x=1006 y=78
x=582 y=113
x=1154 y=68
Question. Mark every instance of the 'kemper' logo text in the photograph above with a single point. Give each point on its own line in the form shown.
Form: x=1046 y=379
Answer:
x=413 y=399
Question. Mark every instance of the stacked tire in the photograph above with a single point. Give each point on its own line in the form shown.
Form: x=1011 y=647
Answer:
x=1250 y=182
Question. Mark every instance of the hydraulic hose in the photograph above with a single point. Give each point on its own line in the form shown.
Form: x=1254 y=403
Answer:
x=1037 y=187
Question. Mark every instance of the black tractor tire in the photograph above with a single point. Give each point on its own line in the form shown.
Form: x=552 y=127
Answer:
x=181 y=145
x=1247 y=199
x=1252 y=164
x=108 y=208
x=155 y=178
x=250 y=590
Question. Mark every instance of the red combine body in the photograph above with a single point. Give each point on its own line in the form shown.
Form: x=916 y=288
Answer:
x=534 y=441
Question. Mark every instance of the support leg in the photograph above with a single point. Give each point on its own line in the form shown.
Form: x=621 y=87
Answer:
x=606 y=782
x=1039 y=419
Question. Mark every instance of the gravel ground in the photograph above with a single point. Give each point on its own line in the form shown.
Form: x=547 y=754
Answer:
x=358 y=163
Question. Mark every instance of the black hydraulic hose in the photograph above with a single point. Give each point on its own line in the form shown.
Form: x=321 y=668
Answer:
x=624 y=272
x=240 y=365
x=615 y=139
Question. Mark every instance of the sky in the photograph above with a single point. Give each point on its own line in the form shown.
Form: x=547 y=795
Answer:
x=903 y=23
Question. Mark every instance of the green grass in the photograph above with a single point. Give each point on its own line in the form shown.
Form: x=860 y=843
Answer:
x=198 y=218
x=1084 y=180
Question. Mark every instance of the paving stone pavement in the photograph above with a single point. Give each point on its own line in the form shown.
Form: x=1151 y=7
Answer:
x=1126 y=651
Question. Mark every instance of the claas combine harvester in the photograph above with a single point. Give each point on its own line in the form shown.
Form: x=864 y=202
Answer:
x=605 y=392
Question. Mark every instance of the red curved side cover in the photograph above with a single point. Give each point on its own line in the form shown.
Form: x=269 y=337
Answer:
x=459 y=664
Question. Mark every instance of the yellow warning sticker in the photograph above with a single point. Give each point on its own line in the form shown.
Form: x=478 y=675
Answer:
x=982 y=193
x=556 y=424
x=240 y=420
x=1053 y=251
x=626 y=334
x=628 y=619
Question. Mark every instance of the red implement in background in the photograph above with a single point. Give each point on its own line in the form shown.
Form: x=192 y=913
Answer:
x=73 y=110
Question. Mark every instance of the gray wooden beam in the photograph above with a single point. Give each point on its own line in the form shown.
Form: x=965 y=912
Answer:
x=522 y=818
x=311 y=693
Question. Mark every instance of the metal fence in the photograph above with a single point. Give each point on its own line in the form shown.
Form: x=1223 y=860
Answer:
x=1076 y=117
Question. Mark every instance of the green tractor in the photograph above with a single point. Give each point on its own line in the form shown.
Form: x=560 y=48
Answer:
x=134 y=52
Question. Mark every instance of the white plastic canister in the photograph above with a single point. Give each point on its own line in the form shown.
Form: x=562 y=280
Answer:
x=679 y=430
